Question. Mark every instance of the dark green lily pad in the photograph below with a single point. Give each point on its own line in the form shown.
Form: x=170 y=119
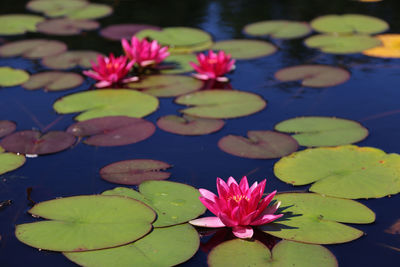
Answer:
x=55 y=8
x=279 y=29
x=167 y=246
x=318 y=76
x=14 y=24
x=113 y=131
x=166 y=85
x=66 y=26
x=33 y=48
x=245 y=49
x=10 y=161
x=12 y=77
x=71 y=59
x=178 y=63
x=313 y=218
x=135 y=171
x=259 y=145
x=117 y=32
x=84 y=223
x=239 y=252
x=174 y=203
x=6 y=127
x=91 y=11
x=323 y=131
x=107 y=102
x=188 y=125
x=343 y=171
x=221 y=104
x=53 y=81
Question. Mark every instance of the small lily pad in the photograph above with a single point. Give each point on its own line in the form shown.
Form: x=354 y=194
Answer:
x=389 y=48
x=66 y=26
x=135 y=171
x=14 y=24
x=33 y=48
x=12 y=77
x=91 y=11
x=6 y=127
x=259 y=145
x=55 y=8
x=113 y=131
x=53 y=81
x=323 y=131
x=10 y=161
x=279 y=29
x=107 y=102
x=343 y=171
x=117 y=32
x=221 y=104
x=71 y=59
x=318 y=76
x=188 y=125
x=84 y=223
x=178 y=63
x=245 y=49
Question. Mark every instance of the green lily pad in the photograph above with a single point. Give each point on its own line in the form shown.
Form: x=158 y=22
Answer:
x=10 y=161
x=188 y=125
x=347 y=44
x=53 y=81
x=91 y=11
x=55 y=8
x=178 y=63
x=66 y=26
x=33 y=48
x=349 y=23
x=344 y=171
x=174 y=203
x=279 y=29
x=167 y=85
x=14 y=24
x=84 y=223
x=323 y=131
x=239 y=252
x=6 y=127
x=245 y=49
x=221 y=104
x=71 y=59
x=313 y=218
x=167 y=246
x=12 y=77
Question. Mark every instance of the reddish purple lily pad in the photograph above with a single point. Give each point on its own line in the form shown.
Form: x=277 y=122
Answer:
x=113 y=130
x=6 y=127
x=259 y=145
x=33 y=48
x=134 y=172
x=53 y=81
x=117 y=32
x=66 y=26
x=71 y=59
x=188 y=125
x=36 y=143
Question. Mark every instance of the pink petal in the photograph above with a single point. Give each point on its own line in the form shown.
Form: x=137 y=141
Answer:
x=243 y=231
x=226 y=220
x=244 y=184
x=131 y=79
x=222 y=188
x=207 y=194
x=266 y=219
x=222 y=79
x=212 y=222
x=201 y=76
x=103 y=84
x=232 y=180
x=210 y=205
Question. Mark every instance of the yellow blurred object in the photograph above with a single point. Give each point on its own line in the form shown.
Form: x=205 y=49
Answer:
x=390 y=47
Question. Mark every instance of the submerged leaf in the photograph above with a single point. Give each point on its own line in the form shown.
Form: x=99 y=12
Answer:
x=71 y=59
x=117 y=32
x=53 y=81
x=32 y=48
x=66 y=26
x=6 y=127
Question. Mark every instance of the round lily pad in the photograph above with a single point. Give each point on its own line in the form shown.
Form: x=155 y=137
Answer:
x=32 y=48
x=113 y=131
x=259 y=145
x=174 y=203
x=221 y=104
x=344 y=171
x=117 y=32
x=279 y=29
x=188 y=125
x=245 y=49
x=66 y=26
x=53 y=81
x=55 y=8
x=84 y=223
x=107 y=102
x=167 y=246
x=239 y=252
x=6 y=127
x=323 y=131
x=313 y=218
x=91 y=11
x=135 y=171
x=388 y=49
x=71 y=59
x=167 y=85
x=12 y=77
x=318 y=76
x=349 y=23
x=10 y=161
x=346 y=44
x=176 y=64
x=14 y=24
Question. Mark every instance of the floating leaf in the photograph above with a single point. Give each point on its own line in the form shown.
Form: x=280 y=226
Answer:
x=344 y=171
x=14 y=24
x=91 y=11
x=33 y=48
x=280 y=29
x=167 y=246
x=135 y=171
x=84 y=223
x=318 y=76
x=12 y=77
x=117 y=32
x=167 y=85
x=394 y=229
x=10 y=161
x=239 y=252
x=66 y=26
x=6 y=127
x=107 y=102
x=178 y=63
x=113 y=131
x=188 y=125
x=388 y=49
x=221 y=104
x=71 y=59
x=323 y=131
x=53 y=81
x=55 y=8
x=245 y=49
x=313 y=218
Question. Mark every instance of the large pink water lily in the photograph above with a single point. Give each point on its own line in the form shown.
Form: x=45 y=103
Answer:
x=238 y=206
x=143 y=52
x=213 y=66
x=111 y=71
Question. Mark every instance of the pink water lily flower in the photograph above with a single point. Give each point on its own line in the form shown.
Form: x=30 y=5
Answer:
x=111 y=71
x=213 y=66
x=238 y=206
x=145 y=53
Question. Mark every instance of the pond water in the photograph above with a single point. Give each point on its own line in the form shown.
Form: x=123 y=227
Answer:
x=371 y=97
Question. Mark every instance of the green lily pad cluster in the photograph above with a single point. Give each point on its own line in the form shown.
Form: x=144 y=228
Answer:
x=278 y=29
